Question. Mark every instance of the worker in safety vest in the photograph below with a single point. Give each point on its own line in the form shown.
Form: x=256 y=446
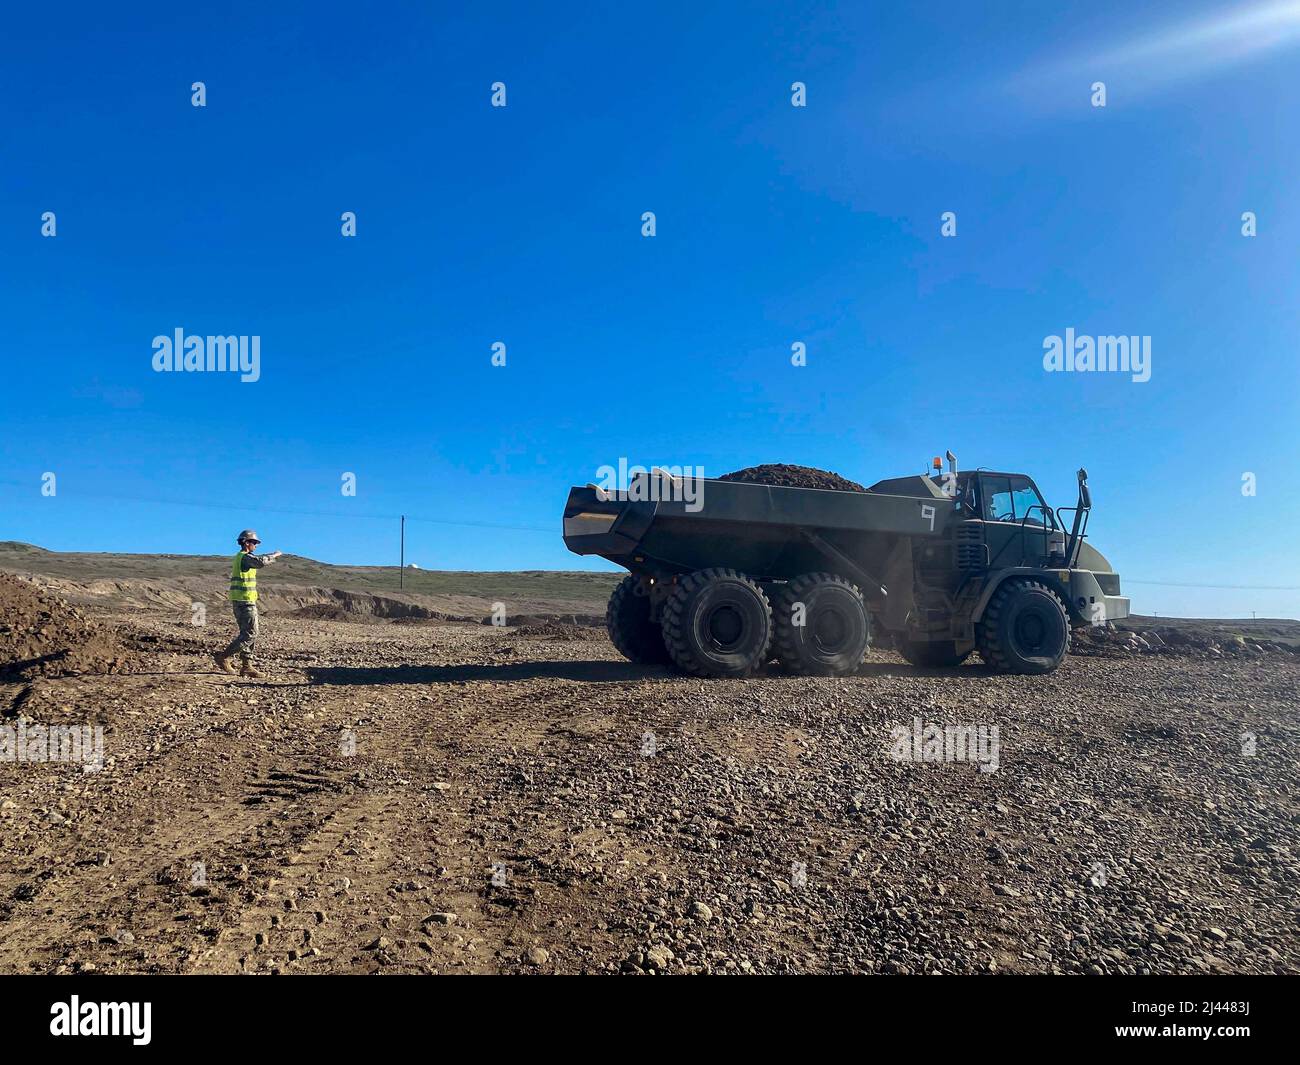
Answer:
x=243 y=600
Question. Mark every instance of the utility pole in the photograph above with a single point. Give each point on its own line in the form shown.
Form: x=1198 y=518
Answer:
x=401 y=566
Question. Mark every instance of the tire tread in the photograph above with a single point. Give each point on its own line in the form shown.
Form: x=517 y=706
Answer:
x=644 y=646
x=784 y=644
x=678 y=646
x=987 y=640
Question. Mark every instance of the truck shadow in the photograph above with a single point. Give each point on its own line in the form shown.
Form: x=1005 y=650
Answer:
x=595 y=672
x=903 y=669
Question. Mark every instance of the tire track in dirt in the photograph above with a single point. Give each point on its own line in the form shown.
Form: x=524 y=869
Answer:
x=419 y=866
x=287 y=919
x=155 y=901
x=365 y=851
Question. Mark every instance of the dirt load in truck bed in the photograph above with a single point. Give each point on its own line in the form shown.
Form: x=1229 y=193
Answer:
x=787 y=476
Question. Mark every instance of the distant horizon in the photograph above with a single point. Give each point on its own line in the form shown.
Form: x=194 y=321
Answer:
x=609 y=569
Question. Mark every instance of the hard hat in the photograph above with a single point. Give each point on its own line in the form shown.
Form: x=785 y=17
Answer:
x=249 y=534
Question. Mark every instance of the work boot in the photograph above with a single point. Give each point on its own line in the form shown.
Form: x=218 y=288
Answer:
x=248 y=670
x=223 y=662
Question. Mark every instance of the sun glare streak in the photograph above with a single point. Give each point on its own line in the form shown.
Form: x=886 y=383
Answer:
x=1183 y=49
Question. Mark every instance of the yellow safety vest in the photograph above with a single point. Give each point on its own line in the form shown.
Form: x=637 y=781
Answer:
x=243 y=583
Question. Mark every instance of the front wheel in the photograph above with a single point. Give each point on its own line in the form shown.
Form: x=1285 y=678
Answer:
x=1024 y=629
x=717 y=623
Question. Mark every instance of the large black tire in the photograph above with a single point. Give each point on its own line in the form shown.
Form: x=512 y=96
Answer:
x=1024 y=629
x=835 y=632
x=717 y=623
x=932 y=654
x=627 y=620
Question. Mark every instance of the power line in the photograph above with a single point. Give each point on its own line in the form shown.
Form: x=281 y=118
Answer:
x=1237 y=587
x=247 y=507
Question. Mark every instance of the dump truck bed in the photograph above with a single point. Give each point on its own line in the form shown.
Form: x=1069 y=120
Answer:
x=764 y=530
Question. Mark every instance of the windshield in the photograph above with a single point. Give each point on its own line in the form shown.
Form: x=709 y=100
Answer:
x=1027 y=503
x=1010 y=498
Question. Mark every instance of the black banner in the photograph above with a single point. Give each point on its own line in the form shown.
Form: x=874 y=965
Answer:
x=1007 y=1013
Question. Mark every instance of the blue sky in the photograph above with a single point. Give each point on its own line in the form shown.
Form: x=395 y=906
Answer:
x=522 y=224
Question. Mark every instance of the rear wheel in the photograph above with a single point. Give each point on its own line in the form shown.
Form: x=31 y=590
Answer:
x=627 y=620
x=933 y=654
x=1024 y=629
x=820 y=626
x=717 y=623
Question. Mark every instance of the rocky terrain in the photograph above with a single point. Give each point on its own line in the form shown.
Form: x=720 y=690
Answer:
x=1154 y=636
x=407 y=794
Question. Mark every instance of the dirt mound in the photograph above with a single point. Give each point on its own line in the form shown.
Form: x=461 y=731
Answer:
x=557 y=630
x=363 y=607
x=332 y=612
x=1103 y=641
x=41 y=635
x=518 y=621
x=787 y=476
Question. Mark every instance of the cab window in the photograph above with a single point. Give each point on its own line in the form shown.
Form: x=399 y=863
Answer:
x=968 y=494
x=998 y=501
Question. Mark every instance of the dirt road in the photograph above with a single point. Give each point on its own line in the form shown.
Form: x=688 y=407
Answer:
x=456 y=798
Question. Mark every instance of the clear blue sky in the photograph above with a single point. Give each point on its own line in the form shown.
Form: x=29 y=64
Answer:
x=522 y=224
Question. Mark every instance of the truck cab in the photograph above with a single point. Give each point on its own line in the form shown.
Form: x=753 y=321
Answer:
x=1005 y=527
x=1019 y=527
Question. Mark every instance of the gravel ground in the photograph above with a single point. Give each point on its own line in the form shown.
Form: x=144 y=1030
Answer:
x=457 y=798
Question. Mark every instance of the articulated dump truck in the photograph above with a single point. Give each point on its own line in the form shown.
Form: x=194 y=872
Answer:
x=728 y=576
